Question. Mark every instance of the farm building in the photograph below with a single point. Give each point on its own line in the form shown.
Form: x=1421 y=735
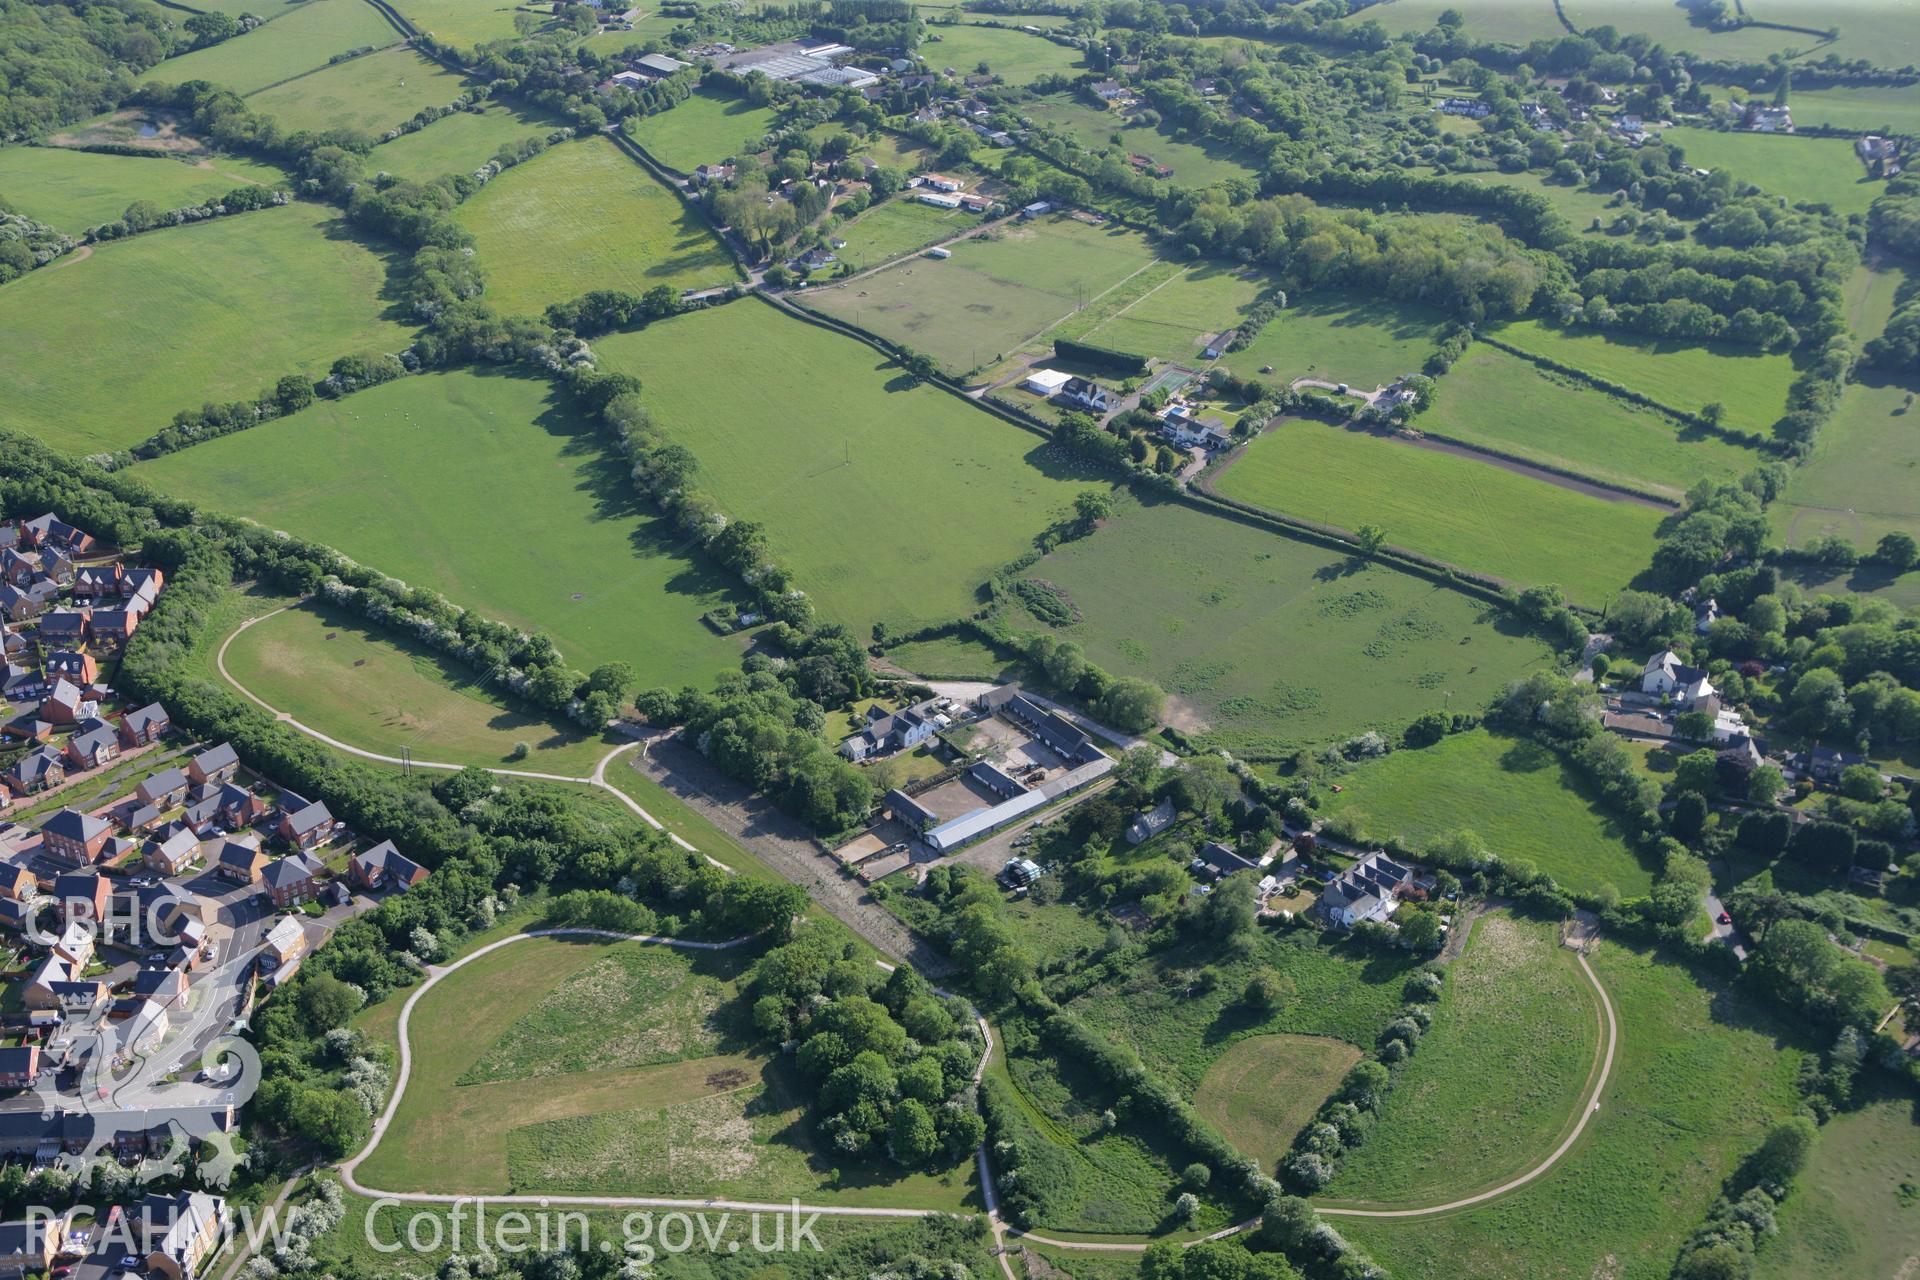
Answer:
x=1047 y=382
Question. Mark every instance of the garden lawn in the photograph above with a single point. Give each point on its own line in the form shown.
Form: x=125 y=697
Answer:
x=1751 y=384
x=1265 y=1089
x=372 y=688
x=1863 y=477
x=1512 y=792
x=705 y=129
x=1697 y=1079
x=489 y=488
x=996 y=293
x=1266 y=642
x=888 y=501
x=459 y=143
x=1497 y=1081
x=75 y=190
x=1015 y=56
x=101 y=353
x=290 y=45
x=1852 y=1210
x=467 y=23
x=367 y=95
x=1501 y=402
x=580 y=217
x=1805 y=170
x=1459 y=510
x=1196 y=162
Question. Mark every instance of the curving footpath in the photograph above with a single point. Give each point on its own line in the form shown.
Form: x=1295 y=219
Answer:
x=598 y=778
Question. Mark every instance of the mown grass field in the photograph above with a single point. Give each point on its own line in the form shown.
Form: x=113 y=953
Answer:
x=1463 y=511
x=101 y=353
x=1804 y=170
x=996 y=293
x=897 y=227
x=1873 y=291
x=1698 y=1077
x=291 y=44
x=1195 y=601
x=1015 y=56
x=367 y=95
x=468 y=22
x=956 y=656
x=408 y=478
x=1670 y=24
x=1512 y=793
x=74 y=190
x=1502 y=402
x=1852 y=1210
x=705 y=129
x=1878 y=31
x=1265 y=1089
x=459 y=143
x=888 y=501
x=368 y=686
x=1752 y=385
x=1498 y=1080
x=580 y=217
x=1196 y=162
x=1513 y=22
x=1863 y=478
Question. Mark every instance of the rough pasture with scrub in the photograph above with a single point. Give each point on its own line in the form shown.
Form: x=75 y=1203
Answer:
x=1702 y=1071
x=890 y=502
x=74 y=190
x=1514 y=794
x=705 y=129
x=409 y=477
x=1499 y=1078
x=297 y=42
x=1501 y=402
x=1459 y=510
x=367 y=95
x=100 y=354
x=459 y=143
x=583 y=216
x=1267 y=643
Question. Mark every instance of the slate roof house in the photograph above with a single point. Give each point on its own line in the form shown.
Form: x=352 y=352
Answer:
x=1666 y=674
x=163 y=790
x=148 y=724
x=292 y=879
x=885 y=734
x=383 y=865
x=240 y=860
x=1368 y=890
x=1084 y=393
x=93 y=744
x=303 y=825
x=215 y=764
x=74 y=838
x=50 y=531
x=39 y=769
x=1145 y=826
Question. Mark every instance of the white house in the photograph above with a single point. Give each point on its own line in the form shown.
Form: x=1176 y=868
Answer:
x=886 y=734
x=938 y=200
x=939 y=182
x=1665 y=674
x=1369 y=890
x=1180 y=426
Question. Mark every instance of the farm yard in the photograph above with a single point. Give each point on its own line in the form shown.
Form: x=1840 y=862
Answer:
x=459 y=143
x=100 y=354
x=980 y=489
x=363 y=95
x=1192 y=601
x=582 y=216
x=1804 y=170
x=390 y=476
x=1462 y=511
x=75 y=190
x=1014 y=56
x=1512 y=793
x=303 y=40
x=1498 y=401
x=1863 y=478
x=705 y=129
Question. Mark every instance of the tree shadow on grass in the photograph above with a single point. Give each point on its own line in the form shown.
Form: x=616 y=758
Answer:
x=393 y=262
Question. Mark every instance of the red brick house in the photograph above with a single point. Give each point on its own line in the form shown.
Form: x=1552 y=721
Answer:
x=216 y=764
x=74 y=838
x=382 y=866
x=148 y=724
x=292 y=879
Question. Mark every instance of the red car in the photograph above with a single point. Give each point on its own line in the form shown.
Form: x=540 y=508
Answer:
x=1724 y=918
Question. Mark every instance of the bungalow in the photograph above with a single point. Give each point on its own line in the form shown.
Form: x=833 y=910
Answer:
x=1826 y=764
x=16 y=882
x=1221 y=860
x=93 y=744
x=1471 y=108
x=303 y=825
x=284 y=943
x=48 y=530
x=182 y=1231
x=1150 y=823
x=886 y=734
x=148 y=724
x=18 y=1069
x=240 y=860
x=63 y=703
x=75 y=666
x=1107 y=90
x=292 y=879
x=39 y=769
x=1084 y=393
x=940 y=182
x=83 y=896
x=383 y=865
x=65 y=628
x=938 y=200
x=216 y=764
x=38 y=990
x=814 y=259
x=96 y=581
x=114 y=626
x=74 y=837
x=1367 y=891
x=175 y=853
x=163 y=790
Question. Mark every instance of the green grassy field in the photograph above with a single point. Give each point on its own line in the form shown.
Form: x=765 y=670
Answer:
x=1698 y=1077
x=705 y=129
x=409 y=477
x=1852 y=1211
x=1196 y=162
x=74 y=190
x=291 y=44
x=1874 y=109
x=459 y=143
x=1462 y=511
x=1015 y=56
x=101 y=353
x=367 y=686
x=580 y=217
x=1502 y=402
x=1863 y=478
x=1497 y=1081
x=1196 y=601
x=1578 y=205
x=1804 y=170
x=1511 y=792
x=1508 y=21
x=368 y=95
x=1669 y=24
x=1752 y=385
x=897 y=227
x=1342 y=337
x=1873 y=291
x=1265 y=1089
x=467 y=23
x=868 y=534
x=948 y=656
x=1876 y=30
x=995 y=294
